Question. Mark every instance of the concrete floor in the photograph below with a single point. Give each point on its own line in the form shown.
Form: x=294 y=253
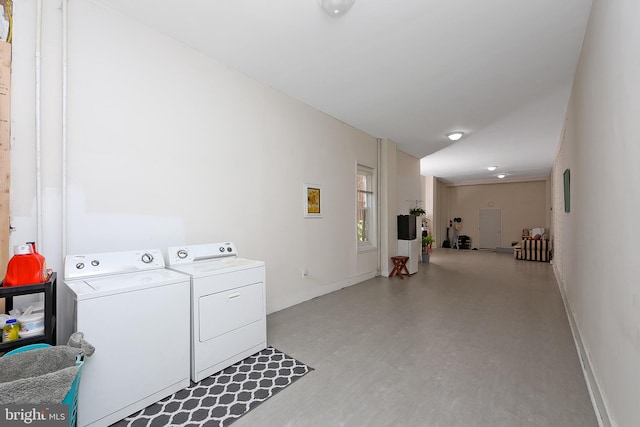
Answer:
x=474 y=338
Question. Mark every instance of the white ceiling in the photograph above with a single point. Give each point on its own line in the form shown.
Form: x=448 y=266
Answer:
x=411 y=71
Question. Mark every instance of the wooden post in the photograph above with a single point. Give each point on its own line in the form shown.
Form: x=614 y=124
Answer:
x=5 y=126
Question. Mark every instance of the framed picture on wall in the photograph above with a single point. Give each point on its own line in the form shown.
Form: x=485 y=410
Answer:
x=567 y=190
x=313 y=201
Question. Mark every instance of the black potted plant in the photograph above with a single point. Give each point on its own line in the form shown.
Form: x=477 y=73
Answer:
x=417 y=211
x=427 y=242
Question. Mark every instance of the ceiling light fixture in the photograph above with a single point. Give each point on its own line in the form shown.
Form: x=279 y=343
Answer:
x=502 y=175
x=454 y=136
x=492 y=168
x=336 y=7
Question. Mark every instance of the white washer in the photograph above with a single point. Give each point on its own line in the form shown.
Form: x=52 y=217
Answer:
x=136 y=314
x=228 y=312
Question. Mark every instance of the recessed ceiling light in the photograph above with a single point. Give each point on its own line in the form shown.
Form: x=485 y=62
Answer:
x=502 y=175
x=454 y=136
x=336 y=7
x=492 y=168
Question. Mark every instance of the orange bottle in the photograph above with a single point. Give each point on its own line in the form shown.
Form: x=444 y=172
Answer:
x=43 y=263
x=24 y=267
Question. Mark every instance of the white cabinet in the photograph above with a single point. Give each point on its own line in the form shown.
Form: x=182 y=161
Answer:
x=410 y=248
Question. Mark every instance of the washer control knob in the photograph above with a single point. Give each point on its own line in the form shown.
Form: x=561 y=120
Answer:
x=95 y=263
x=182 y=254
x=80 y=265
x=229 y=249
x=147 y=258
x=221 y=248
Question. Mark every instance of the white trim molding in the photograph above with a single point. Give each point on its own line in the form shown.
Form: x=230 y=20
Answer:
x=597 y=401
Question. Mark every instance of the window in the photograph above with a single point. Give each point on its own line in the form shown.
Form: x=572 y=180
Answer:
x=366 y=225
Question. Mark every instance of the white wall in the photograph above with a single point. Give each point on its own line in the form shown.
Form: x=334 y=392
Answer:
x=409 y=185
x=167 y=147
x=400 y=186
x=442 y=217
x=522 y=205
x=596 y=251
x=388 y=206
x=429 y=196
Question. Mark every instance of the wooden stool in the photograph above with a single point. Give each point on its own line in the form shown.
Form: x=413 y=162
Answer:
x=399 y=264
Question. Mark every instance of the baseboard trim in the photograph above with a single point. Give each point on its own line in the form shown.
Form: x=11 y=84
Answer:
x=597 y=401
x=318 y=291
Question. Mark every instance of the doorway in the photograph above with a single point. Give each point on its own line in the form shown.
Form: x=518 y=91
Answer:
x=490 y=224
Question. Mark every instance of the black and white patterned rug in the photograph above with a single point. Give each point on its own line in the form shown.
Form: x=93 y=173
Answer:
x=224 y=397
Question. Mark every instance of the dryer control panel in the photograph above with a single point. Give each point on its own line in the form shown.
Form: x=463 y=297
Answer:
x=193 y=253
x=107 y=263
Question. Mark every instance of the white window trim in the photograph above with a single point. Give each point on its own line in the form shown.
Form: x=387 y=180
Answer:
x=371 y=244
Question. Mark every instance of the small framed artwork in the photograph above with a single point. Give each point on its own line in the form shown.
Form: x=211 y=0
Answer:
x=313 y=201
x=567 y=190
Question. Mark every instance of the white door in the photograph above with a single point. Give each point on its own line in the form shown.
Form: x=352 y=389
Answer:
x=490 y=228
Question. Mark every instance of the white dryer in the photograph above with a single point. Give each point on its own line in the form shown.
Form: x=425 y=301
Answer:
x=228 y=311
x=136 y=313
